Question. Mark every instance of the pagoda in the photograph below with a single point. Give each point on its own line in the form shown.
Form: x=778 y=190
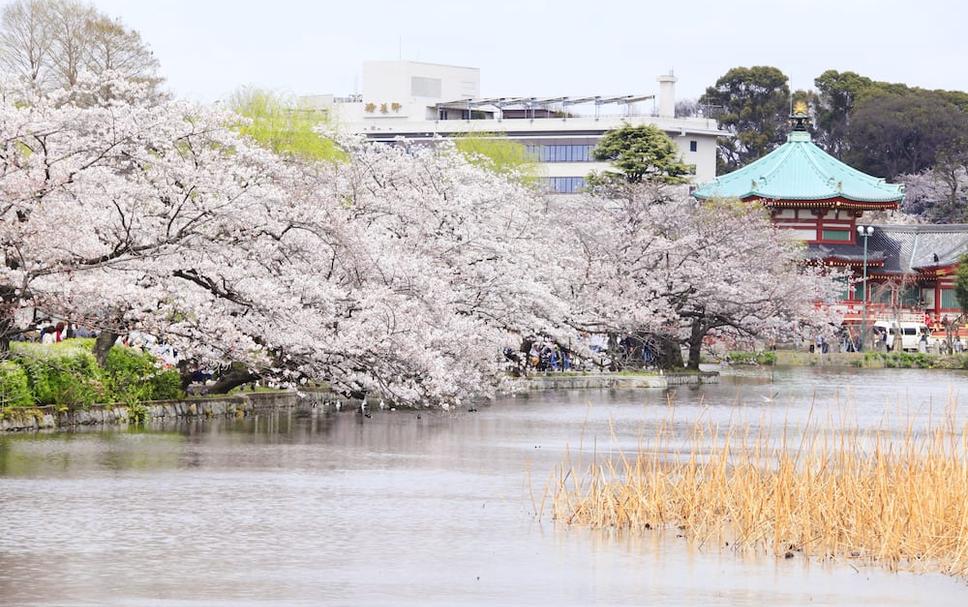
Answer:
x=809 y=192
x=821 y=201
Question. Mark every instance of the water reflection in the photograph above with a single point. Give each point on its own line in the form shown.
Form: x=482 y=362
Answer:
x=323 y=508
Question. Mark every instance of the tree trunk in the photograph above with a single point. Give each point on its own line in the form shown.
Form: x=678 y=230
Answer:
x=233 y=378
x=185 y=372
x=668 y=354
x=613 y=353
x=102 y=345
x=695 y=344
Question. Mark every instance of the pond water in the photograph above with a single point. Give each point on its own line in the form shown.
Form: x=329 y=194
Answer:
x=338 y=509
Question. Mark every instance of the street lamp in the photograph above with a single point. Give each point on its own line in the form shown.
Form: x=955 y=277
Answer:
x=864 y=232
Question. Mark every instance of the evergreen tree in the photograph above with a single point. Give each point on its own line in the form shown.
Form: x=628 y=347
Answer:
x=640 y=153
x=755 y=105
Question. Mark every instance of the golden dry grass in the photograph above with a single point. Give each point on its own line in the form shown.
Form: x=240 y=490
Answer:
x=895 y=498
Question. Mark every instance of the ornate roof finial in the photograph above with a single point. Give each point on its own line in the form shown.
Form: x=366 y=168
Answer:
x=800 y=116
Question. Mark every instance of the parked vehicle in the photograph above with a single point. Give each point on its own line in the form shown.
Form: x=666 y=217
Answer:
x=912 y=334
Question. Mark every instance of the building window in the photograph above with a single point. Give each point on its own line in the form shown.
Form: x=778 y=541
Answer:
x=838 y=235
x=693 y=146
x=561 y=152
x=880 y=294
x=910 y=296
x=566 y=185
x=949 y=301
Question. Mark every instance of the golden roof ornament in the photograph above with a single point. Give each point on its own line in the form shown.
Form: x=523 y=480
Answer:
x=800 y=117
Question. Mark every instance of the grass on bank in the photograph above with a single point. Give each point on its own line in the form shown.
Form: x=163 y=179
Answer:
x=763 y=359
x=899 y=501
x=66 y=374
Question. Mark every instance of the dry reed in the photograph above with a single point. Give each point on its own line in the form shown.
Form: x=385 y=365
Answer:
x=895 y=498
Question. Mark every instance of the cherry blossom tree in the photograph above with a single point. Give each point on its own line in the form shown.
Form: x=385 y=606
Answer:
x=400 y=271
x=661 y=266
x=109 y=205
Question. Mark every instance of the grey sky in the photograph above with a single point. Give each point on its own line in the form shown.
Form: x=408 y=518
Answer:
x=208 y=48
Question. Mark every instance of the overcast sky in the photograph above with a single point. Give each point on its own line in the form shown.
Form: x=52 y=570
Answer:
x=208 y=48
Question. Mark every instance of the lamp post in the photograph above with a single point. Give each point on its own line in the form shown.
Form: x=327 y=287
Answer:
x=864 y=232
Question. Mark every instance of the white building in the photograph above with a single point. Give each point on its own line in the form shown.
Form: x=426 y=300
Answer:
x=420 y=101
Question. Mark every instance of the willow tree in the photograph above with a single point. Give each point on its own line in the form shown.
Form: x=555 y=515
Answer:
x=283 y=126
x=497 y=154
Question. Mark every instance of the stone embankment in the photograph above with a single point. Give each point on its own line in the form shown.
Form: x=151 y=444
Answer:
x=250 y=403
x=236 y=405
x=609 y=381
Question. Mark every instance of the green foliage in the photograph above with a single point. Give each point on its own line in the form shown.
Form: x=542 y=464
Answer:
x=766 y=359
x=498 y=154
x=961 y=282
x=66 y=374
x=166 y=385
x=60 y=374
x=888 y=128
x=14 y=389
x=282 y=126
x=755 y=105
x=132 y=376
x=640 y=153
x=894 y=134
x=137 y=413
x=915 y=360
x=837 y=92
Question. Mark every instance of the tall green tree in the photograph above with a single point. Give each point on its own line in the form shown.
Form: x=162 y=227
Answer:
x=755 y=105
x=893 y=134
x=640 y=153
x=282 y=126
x=837 y=93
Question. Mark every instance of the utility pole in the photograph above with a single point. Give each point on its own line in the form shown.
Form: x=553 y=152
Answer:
x=865 y=232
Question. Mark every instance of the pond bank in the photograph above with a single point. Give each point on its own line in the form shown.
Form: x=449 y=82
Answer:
x=243 y=404
x=235 y=405
x=872 y=360
x=610 y=381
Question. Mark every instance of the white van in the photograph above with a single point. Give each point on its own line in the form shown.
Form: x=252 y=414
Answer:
x=911 y=333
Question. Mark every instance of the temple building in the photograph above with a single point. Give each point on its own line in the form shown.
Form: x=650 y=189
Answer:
x=823 y=202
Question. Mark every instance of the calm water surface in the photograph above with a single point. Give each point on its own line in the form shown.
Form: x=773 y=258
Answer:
x=395 y=510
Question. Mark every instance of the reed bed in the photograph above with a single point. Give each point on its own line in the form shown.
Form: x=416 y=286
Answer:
x=893 y=497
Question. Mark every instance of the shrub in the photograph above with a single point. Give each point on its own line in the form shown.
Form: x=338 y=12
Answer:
x=752 y=358
x=133 y=376
x=60 y=374
x=14 y=389
x=67 y=374
x=167 y=386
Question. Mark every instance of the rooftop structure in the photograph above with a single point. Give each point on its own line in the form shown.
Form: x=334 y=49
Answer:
x=421 y=101
x=821 y=200
x=800 y=171
x=809 y=192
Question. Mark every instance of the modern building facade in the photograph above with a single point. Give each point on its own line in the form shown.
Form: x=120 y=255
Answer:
x=421 y=101
x=822 y=202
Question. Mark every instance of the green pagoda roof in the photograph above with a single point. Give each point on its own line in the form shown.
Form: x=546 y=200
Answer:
x=798 y=170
